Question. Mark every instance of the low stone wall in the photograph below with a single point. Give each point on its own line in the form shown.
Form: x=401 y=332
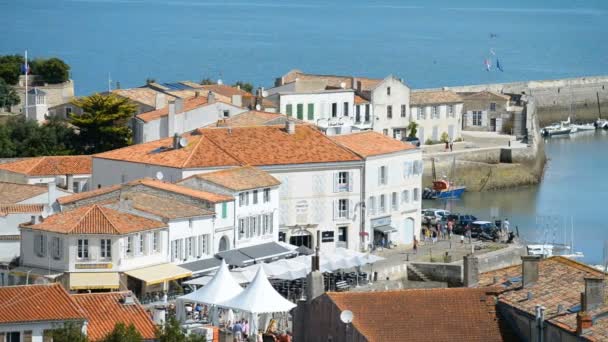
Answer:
x=440 y=272
x=501 y=258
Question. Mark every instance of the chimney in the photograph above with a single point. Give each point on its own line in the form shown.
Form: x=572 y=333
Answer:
x=584 y=322
x=52 y=193
x=34 y=219
x=594 y=294
x=69 y=183
x=160 y=100
x=210 y=97
x=314 y=279
x=179 y=105
x=171 y=119
x=290 y=126
x=471 y=271
x=197 y=94
x=237 y=100
x=529 y=269
x=176 y=139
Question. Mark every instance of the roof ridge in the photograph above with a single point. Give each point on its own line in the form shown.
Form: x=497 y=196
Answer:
x=242 y=163
x=316 y=131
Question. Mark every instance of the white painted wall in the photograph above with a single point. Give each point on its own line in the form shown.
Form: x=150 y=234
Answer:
x=322 y=102
x=182 y=229
x=83 y=181
x=441 y=124
x=380 y=99
x=399 y=180
x=109 y=172
x=245 y=211
x=37 y=328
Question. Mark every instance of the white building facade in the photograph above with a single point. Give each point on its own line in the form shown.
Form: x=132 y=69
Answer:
x=390 y=100
x=436 y=113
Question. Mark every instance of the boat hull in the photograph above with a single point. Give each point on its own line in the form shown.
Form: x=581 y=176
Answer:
x=453 y=193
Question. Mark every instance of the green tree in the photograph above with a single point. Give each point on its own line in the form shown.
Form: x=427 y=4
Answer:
x=103 y=125
x=26 y=138
x=123 y=333
x=444 y=137
x=248 y=87
x=413 y=128
x=69 y=332
x=52 y=70
x=10 y=68
x=8 y=95
x=207 y=81
x=172 y=332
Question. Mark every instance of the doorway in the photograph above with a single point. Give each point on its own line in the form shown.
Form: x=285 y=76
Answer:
x=301 y=238
x=224 y=244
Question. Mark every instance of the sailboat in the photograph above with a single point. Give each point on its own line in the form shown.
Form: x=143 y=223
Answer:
x=443 y=188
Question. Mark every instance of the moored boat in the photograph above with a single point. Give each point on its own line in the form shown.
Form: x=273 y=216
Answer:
x=584 y=127
x=442 y=189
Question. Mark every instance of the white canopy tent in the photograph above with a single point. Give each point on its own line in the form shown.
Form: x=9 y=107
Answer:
x=219 y=289
x=258 y=298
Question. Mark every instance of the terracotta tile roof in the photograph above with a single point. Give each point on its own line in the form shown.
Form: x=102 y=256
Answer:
x=249 y=118
x=240 y=178
x=15 y=193
x=370 y=143
x=360 y=100
x=189 y=104
x=50 y=166
x=104 y=310
x=6 y=209
x=561 y=281
x=433 y=97
x=225 y=90
x=164 y=207
x=146 y=96
x=455 y=314
x=33 y=303
x=182 y=190
x=95 y=219
x=209 y=147
x=485 y=95
x=87 y=194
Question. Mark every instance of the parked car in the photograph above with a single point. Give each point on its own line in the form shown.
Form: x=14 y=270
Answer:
x=413 y=140
x=432 y=216
x=484 y=229
x=460 y=221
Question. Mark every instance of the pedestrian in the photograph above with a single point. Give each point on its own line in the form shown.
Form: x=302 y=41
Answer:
x=383 y=242
x=444 y=231
x=237 y=330
x=415 y=245
x=450 y=228
x=506 y=225
x=447 y=145
x=246 y=329
x=451 y=144
x=434 y=236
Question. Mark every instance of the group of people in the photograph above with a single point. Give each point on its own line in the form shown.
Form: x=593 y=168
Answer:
x=240 y=330
x=439 y=231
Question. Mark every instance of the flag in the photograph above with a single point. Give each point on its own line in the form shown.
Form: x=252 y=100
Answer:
x=498 y=65
x=488 y=64
x=25 y=68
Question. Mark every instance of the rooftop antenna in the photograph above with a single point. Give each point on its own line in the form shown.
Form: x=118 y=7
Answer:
x=109 y=83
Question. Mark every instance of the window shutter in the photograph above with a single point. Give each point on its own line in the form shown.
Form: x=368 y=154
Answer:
x=351 y=208
x=350 y=181
x=336 y=181
x=270 y=222
x=386 y=175
x=335 y=207
x=27 y=336
x=380 y=175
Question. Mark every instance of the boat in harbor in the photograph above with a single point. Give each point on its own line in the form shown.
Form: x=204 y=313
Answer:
x=601 y=123
x=584 y=127
x=443 y=188
x=549 y=250
x=554 y=130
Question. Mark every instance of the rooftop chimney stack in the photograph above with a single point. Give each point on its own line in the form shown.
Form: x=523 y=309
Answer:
x=171 y=119
x=471 y=271
x=237 y=100
x=290 y=126
x=160 y=101
x=529 y=269
x=593 y=295
x=179 y=105
x=176 y=138
x=210 y=97
x=69 y=183
x=52 y=193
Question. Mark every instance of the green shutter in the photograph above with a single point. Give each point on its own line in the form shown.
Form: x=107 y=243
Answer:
x=311 y=111
x=288 y=109
x=224 y=210
x=300 y=109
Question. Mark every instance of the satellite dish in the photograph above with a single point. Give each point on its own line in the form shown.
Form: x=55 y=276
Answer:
x=183 y=142
x=45 y=211
x=346 y=316
x=258 y=107
x=159 y=175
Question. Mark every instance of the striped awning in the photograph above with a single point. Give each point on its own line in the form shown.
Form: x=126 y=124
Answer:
x=159 y=273
x=94 y=281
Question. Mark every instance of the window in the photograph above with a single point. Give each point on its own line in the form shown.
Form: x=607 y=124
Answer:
x=382 y=175
x=129 y=245
x=174 y=250
x=367 y=113
x=451 y=111
x=255 y=197
x=83 y=248
x=40 y=245
x=224 y=210
x=190 y=223
x=14 y=336
x=389 y=112
x=493 y=106
x=142 y=243
x=403 y=111
x=270 y=223
x=156 y=242
x=477 y=118
x=343 y=208
x=416 y=194
x=382 y=203
x=57 y=248
x=311 y=111
x=342 y=234
x=266 y=223
x=405 y=196
x=190 y=247
x=421 y=113
x=106 y=248
x=241 y=228
x=342 y=181
x=226 y=113
x=357 y=113
x=346 y=105
x=372 y=205
x=388 y=90
x=334 y=110
x=203 y=245
x=394 y=201
x=434 y=112
x=300 y=111
x=266 y=195
x=243 y=198
x=253 y=226
x=288 y=109
x=68 y=111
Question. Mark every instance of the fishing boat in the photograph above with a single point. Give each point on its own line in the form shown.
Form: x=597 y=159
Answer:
x=584 y=127
x=554 y=130
x=549 y=250
x=443 y=188
x=601 y=123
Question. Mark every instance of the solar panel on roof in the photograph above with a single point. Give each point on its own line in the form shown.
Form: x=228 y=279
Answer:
x=575 y=308
x=177 y=86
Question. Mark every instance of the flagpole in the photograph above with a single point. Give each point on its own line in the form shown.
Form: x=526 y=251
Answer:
x=25 y=68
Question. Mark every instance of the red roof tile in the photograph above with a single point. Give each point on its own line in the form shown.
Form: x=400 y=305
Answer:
x=370 y=143
x=95 y=219
x=179 y=189
x=189 y=104
x=50 y=166
x=6 y=209
x=360 y=100
x=104 y=310
x=87 y=194
x=164 y=207
x=455 y=314
x=32 y=303
x=240 y=178
x=225 y=90
x=428 y=97
x=15 y=193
